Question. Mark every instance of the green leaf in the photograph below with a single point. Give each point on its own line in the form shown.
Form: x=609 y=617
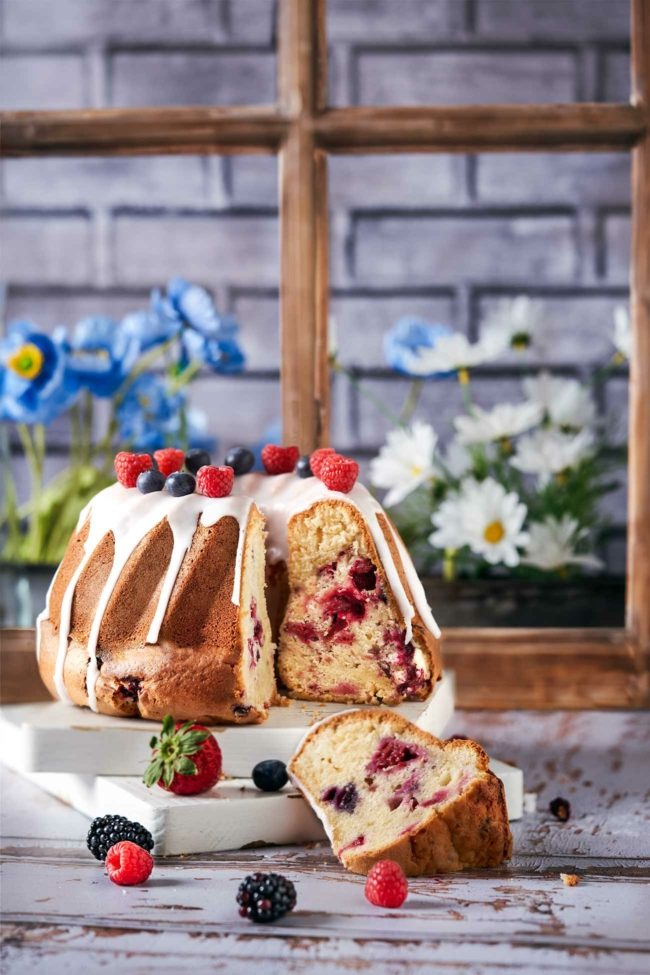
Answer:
x=186 y=766
x=153 y=742
x=168 y=725
x=168 y=775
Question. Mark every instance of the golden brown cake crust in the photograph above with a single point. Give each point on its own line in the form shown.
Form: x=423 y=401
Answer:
x=468 y=831
x=194 y=669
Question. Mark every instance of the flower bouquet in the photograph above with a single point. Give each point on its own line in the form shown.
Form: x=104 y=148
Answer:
x=517 y=489
x=139 y=367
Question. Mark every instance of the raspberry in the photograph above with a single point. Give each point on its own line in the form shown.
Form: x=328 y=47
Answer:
x=128 y=864
x=338 y=473
x=386 y=885
x=279 y=460
x=317 y=458
x=215 y=482
x=128 y=466
x=169 y=460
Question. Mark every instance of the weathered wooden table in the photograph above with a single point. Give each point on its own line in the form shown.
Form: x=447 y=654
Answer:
x=61 y=914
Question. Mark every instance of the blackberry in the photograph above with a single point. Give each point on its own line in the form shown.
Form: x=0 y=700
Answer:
x=264 y=897
x=106 y=831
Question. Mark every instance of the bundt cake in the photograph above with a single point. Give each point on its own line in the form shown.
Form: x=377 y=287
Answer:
x=385 y=789
x=169 y=604
x=158 y=607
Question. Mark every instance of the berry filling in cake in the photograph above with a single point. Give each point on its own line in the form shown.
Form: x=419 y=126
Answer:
x=342 y=638
x=376 y=780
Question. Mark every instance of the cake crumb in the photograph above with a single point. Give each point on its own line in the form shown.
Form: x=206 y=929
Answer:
x=570 y=879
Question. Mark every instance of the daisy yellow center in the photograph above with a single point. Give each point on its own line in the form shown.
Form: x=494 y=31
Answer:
x=494 y=532
x=27 y=361
x=416 y=470
x=463 y=376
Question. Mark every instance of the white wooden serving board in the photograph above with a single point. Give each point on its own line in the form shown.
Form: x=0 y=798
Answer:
x=55 y=737
x=232 y=815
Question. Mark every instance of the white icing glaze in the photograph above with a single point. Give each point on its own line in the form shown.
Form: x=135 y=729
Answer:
x=281 y=496
x=130 y=516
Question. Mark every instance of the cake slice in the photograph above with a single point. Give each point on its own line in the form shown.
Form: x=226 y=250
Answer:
x=353 y=629
x=385 y=789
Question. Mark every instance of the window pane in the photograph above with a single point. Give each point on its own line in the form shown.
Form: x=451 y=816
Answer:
x=448 y=239
x=447 y=52
x=93 y=237
x=81 y=54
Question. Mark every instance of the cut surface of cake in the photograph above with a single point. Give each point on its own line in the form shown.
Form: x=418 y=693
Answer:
x=158 y=607
x=385 y=789
x=161 y=603
x=357 y=627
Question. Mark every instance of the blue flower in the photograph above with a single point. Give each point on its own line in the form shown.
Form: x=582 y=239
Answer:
x=102 y=354
x=223 y=355
x=36 y=385
x=205 y=335
x=148 y=412
x=148 y=329
x=406 y=338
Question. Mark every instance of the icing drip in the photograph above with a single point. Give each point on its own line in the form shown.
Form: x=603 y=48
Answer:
x=281 y=496
x=130 y=516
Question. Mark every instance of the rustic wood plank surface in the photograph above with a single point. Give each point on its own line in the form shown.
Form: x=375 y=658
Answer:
x=61 y=914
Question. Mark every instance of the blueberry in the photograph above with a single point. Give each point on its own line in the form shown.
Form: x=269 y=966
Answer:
x=241 y=459
x=196 y=458
x=179 y=484
x=271 y=775
x=151 y=480
x=303 y=467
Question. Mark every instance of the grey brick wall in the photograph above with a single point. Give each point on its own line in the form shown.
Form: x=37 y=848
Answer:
x=443 y=237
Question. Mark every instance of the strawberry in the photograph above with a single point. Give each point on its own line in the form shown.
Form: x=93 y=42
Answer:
x=317 y=458
x=386 y=885
x=169 y=460
x=128 y=466
x=186 y=759
x=215 y=482
x=339 y=473
x=279 y=460
x=128 y=864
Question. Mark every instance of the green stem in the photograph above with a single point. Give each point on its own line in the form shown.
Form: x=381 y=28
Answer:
x=375 y=400
x=411 y=401
x=449 y=565
x=142 y=365
x=185 y=377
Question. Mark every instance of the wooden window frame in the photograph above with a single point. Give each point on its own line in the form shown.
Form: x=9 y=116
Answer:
x=495 y=667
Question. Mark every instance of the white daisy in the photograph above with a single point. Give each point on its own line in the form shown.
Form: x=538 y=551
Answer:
x=484 y=516
x=451 y=353
x=405 y=461
x=456 y=461
x=501 y=422
x=493 y=520
x=512 y=324
x=565 y=402
x=549 y=452
x=622 y=332
x=552 y=545
x=448 y=520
